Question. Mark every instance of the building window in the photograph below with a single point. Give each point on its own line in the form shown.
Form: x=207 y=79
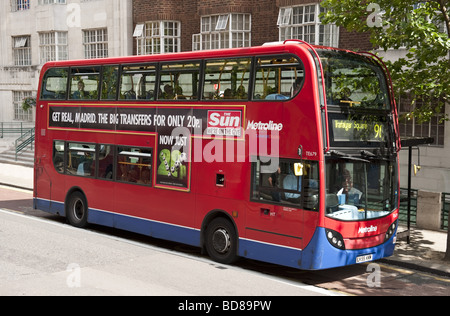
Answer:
x=435 y=128
x=20 y=5
x=158 y=37
x=223 y=31
x=53 y=46
x=19 y=113
x=302 y=22
x=22 y=50
x=95 y=43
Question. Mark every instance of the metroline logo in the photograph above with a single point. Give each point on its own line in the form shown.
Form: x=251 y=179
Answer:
x=261 y=126
x=363 y=230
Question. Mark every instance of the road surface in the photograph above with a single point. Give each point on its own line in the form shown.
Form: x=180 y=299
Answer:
x=45 y=257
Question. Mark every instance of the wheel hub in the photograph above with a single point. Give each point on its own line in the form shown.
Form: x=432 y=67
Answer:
x=78 y=209
x=221 y=240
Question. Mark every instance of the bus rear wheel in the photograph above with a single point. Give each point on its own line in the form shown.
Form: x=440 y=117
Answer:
x=76 y=210
x=221 y=241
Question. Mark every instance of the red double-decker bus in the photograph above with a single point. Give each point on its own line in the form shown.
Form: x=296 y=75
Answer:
x=285 y=153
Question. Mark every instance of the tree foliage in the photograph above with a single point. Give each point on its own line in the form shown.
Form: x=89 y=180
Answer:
x=420 y=28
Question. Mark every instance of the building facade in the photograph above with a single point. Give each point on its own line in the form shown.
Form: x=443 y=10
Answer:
x=33 y=32
x=182 y=25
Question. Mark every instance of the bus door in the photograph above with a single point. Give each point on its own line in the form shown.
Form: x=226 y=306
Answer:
x=281 y=197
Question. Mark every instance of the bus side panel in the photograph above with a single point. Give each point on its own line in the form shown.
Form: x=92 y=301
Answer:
x=301 y=116
x=167 y=214
x=310 y=222
x=166 y=204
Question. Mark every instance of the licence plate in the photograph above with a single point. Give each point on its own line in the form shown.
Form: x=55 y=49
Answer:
x=364 y=258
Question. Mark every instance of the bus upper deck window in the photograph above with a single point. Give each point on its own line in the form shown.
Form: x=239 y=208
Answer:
x=109 y=82
x=278 y=78
x=54 y=85
x=227 y=79
x=84 y=83
x=138 y=82
x=179 y=81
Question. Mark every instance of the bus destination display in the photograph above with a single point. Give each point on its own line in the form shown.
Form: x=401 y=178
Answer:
x=348 y=130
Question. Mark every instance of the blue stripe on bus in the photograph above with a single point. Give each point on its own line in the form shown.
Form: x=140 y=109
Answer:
x=51 y=207
x=182 y=234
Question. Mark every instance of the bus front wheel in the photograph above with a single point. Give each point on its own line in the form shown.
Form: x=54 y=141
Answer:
x=221 y=241
x=77 y=211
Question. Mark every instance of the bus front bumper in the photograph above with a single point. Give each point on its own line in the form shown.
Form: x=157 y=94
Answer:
x=320 y=254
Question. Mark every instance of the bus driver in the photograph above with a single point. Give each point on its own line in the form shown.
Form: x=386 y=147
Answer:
x=352 y=194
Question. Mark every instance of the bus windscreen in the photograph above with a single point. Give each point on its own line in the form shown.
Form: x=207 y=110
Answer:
x=354 y=81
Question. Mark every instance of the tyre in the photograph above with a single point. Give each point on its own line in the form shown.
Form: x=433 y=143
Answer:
x=77 y=210
x=221 y=241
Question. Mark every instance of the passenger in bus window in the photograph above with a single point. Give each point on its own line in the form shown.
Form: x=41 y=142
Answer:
x=58 y=156
x=168 y=92
x=296 y=87
x=80 y=93
x=240 y=93
x=228 y=94
x=274 y=181
x=84 y=168
x=293 y=183
x=179 y=93
x=145 y=175
x=122 y=170
x=132 y=174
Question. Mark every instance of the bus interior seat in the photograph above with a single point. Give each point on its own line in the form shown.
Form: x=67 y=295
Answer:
x=332 y=203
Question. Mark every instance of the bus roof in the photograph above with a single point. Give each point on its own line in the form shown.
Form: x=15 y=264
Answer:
x=268 y=48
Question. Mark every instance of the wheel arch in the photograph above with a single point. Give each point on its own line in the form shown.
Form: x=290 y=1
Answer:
x=70 y=192
x=67 y=200
x=209 y=218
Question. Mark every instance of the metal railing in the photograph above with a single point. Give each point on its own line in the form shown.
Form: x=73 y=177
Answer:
x=27 y=139
x=445 y=210
x=403 y=213
x=11 y=128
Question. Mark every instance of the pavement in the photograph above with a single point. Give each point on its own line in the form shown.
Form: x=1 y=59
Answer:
x=16 y=175
x=425 y=252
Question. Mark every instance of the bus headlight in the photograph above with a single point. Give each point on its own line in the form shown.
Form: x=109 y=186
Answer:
x=335 y=239
x=390 y=231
